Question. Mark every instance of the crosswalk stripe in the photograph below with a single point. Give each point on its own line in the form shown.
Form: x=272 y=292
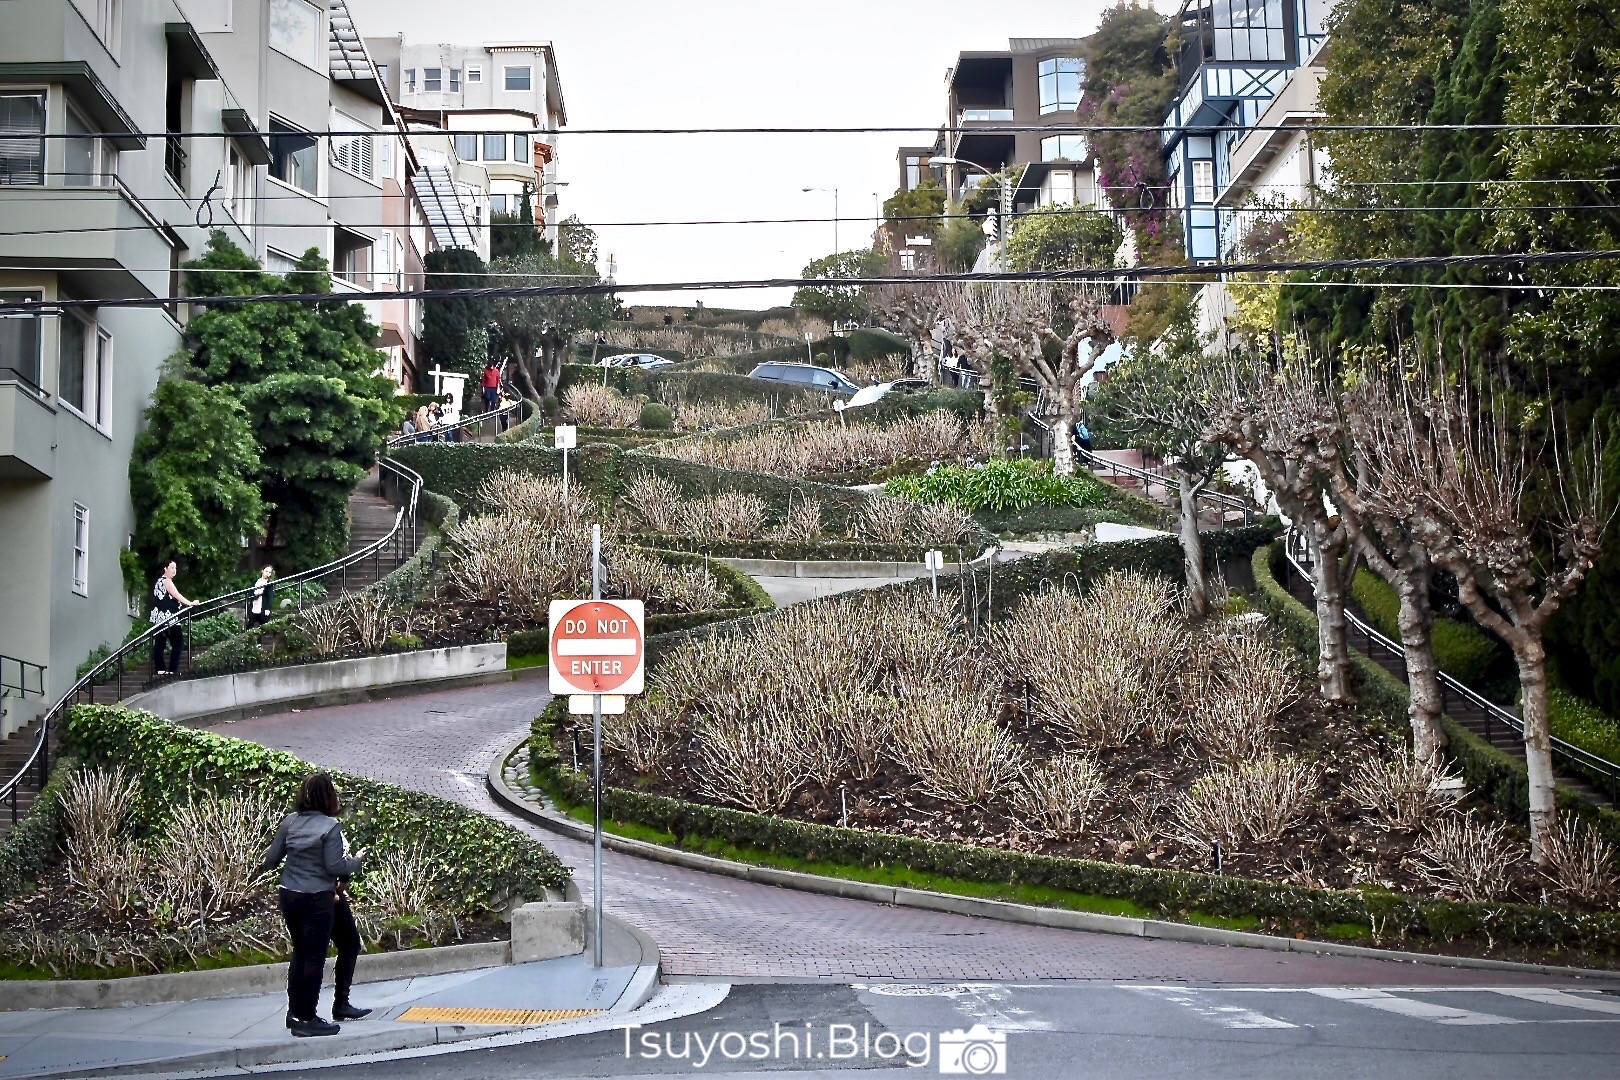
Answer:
x=1228 y=1016
x=1565 y=999
x=1410 y=1007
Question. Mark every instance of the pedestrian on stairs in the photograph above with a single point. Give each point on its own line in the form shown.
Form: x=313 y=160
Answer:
x=263 y=602
x=1082 y=435
x=308 y=846
x=167 y=600
x=492 y=386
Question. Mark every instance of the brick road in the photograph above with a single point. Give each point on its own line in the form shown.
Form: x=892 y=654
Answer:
x=708 y=926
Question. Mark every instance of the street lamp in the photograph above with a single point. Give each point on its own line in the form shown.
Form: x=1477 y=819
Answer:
x=835 y=212
x=1005 y=208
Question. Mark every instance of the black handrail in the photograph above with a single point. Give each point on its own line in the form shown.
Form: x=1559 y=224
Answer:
x=38 y=761
x=20 y=682
x=460 y=425
x=1297 y=551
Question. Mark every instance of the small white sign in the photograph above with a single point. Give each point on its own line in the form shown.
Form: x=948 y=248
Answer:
x=566 y=437
x=584 y=704
x=840 y=404
x=934 y=560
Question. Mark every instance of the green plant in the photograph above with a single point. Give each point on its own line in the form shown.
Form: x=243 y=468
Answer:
x=1465 y=651
x=656 y=417
x=1000 y=484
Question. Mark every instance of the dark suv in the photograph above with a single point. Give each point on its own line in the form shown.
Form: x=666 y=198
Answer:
x=805 y=375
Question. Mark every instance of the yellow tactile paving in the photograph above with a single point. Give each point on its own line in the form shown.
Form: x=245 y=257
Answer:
x=419 y=1014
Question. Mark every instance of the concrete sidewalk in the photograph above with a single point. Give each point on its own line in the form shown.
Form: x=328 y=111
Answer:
x=240 y=1032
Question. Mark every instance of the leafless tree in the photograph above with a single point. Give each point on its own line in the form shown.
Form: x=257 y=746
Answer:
x=1458 y=468
x=1015 y=320
x=1254 y=414
x=913 y=310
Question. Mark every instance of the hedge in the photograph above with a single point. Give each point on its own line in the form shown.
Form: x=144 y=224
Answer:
x=1464 y=651
x=480 y=864
x=1498 y=777
x=1282 y=907
x=796 y=550
x=30 y=847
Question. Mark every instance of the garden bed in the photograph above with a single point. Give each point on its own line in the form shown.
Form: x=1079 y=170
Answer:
x=139 y=857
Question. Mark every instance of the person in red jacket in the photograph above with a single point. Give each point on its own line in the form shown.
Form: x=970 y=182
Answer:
x=492 y=386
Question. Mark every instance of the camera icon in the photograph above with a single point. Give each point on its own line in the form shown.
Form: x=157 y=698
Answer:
x=978 y=1051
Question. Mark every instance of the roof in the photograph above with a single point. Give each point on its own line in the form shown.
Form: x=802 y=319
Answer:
x=437 y=193
x=349 y=61
x=1031 y=44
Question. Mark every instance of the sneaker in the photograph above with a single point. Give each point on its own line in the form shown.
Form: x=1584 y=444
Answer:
x=314 y=1028
x=342 y=1010
x=290 y=1021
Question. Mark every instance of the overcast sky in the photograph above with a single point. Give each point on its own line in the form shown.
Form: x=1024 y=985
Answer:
x=736 y=63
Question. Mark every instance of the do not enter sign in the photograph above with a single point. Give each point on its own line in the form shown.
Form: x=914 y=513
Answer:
x=596 y=646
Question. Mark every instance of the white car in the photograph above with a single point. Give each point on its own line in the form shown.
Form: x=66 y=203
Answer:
x=638 y=360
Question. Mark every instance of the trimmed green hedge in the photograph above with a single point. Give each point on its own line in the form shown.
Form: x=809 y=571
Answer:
x=1464 y=651
x=480 y=864
x=1493 y=775
x=30 y=847
x=1581 y=723
x=1173 y=894
x=965 y=405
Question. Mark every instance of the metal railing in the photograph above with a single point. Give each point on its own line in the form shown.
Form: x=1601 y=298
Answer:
x=14 y=678
x=109 y=672
x=1218 y=500
x=438 y=434
x=1604 y=773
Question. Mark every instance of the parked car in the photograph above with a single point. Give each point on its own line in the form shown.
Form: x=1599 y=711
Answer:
x=637 y=359
x=805 y=375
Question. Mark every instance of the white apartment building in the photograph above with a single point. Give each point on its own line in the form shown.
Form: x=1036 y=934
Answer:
x=506 y=101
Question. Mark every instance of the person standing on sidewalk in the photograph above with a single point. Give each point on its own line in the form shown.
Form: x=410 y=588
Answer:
x=310 y=844
x=167 y=600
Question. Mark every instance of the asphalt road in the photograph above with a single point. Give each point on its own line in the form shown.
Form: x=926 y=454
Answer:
x=1100 y=1031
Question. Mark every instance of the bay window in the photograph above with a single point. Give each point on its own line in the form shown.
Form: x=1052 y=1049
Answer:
x=22 y=150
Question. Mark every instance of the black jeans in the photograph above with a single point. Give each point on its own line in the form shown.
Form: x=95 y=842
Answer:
x=346 y=936
x=309 y=923
x=172 y=640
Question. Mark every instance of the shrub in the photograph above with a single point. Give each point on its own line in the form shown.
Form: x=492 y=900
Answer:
x=599 y=406
x=727 y=515
x=98 y=805
x=1057 y=795
x=754 y=759
x=1254 y=801
x=802 y=521
x=656 y=417
x=941 y=524
x=944 y=738
x=655 y=502
x=210 y=852
x=1402 y=792
x=538 y=499
x=645 y=733
x=834 y=448
x=1466 y=857
x=1583 y=724
x=883 y=520
x=1463 y=650
x=1583 y=864
x=1000 y=484
x=1233 y=693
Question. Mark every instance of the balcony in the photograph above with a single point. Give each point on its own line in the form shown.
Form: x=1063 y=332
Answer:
x=27 y=428
x=113 y=244
x=984 y=116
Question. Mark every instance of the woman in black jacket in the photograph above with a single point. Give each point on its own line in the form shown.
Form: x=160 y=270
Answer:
x=309 y=845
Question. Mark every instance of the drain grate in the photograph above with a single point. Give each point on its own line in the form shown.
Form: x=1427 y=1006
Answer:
x=419 y=1014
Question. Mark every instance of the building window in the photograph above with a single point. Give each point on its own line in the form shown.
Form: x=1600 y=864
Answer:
x=475 y=74
x=1064 y=148
x=1249 y=30
x=520 y=149
x=1203 y=180
x=238 y=186
x=294 y=159
x=22 y=159
x=494 y=147
x=467 y=147
x=105 y=20
x=19 y=338
x=351 y=262
x=914 y=168
x=497 y=205
x=352 y=153
x=86 y=160
x=1060 y=83
x=295 y=31
x=431 y=79
x=279 y=262
x=410 y=80
x=455 y=80
x=382 y=73
x=84 y=368
x=519 y=78
x=908 y=260
x=81 y=550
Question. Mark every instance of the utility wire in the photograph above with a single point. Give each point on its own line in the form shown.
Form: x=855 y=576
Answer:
x=1101 y=276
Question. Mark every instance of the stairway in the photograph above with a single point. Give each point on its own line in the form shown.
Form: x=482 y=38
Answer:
x=13 y=752
x=1466 y=713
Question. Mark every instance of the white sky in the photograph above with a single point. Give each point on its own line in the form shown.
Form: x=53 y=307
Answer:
x=735 y=63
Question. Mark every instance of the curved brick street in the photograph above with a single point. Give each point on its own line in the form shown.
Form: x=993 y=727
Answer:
x=707 y=926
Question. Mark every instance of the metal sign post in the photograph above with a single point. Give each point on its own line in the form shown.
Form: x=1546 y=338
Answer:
x=565 y=437
x=935 y=562
x=597 y=656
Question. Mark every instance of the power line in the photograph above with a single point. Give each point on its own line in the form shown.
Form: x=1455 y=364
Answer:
x=1100 y=276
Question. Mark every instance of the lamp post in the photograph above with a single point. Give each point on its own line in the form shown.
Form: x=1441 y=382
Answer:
x=835 y=212
x=1004 y=210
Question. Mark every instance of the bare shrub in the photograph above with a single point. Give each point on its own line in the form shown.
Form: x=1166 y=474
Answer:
x=1402 y=792
x=370 y=617
x=1256 y=801
x=730 y=515
x=646 y=733
x=1056 y=796
x=600 y=406
x=941 y=524
x=210 y=852
x=802 y=522
x=863 y=725
x=883 y=520
x=398 y=883
x=755 y=760
x=655 y=502
x=1582 y=863
x=329 y=627
x=1041 y=623
x=538 y=499
x=641 y=576
x=947 y=740
x=1233 y=693
x=829 y=447
x=1463 y=856
x=708 y=415
x=102 y=861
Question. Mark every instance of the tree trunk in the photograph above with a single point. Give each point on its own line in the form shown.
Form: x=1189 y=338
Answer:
x=1531 y=656
x=1333 y=634
x=1192 y=547
x=1422 y=668
x=1062 y=447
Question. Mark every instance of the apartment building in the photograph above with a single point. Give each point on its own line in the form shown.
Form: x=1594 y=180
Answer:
x=105 y=191
x=503 y=105
x=1235 y=57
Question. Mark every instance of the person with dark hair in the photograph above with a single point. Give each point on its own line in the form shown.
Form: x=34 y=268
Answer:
x=309 y=848
x=167 y=600
x=262 y=604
